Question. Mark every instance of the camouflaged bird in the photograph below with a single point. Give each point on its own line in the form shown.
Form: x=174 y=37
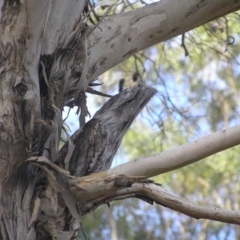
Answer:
x=100 y=138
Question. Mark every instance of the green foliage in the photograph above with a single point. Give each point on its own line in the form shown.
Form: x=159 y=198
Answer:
x=198 y=94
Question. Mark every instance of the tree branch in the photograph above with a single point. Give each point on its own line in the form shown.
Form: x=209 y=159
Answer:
x=181 y=156
x=127 y=33
x=100 y=184
x=122 y=181
x=157 y=194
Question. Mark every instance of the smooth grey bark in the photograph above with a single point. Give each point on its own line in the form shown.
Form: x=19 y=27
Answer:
x=125 y=34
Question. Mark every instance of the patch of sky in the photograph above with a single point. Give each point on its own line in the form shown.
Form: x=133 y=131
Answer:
x=72 y=118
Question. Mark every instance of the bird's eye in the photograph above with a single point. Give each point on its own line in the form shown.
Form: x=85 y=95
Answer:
x=130 y=100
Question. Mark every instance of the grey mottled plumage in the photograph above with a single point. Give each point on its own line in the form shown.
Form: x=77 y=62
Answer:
x=97 y=143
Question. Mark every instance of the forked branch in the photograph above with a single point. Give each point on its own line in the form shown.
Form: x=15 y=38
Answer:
x=124 y=181
x=153 y=193
x=102 y=183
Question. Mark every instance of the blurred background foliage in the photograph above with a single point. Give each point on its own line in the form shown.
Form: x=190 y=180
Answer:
x=197 y=76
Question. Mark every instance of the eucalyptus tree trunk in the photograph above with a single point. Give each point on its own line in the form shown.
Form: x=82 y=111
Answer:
x=43 y=58
x=48 y=58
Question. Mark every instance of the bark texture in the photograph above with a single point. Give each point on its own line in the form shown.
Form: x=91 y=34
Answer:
x=98 y=141
x=48 y=56
x=50 y=208
x=42 y=56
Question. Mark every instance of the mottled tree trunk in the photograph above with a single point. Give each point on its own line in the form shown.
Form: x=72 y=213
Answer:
x=39 y=50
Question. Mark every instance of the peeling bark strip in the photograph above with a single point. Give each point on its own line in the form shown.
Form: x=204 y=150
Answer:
x=100 y=138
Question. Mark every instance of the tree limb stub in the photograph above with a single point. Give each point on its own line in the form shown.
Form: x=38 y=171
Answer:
x=124 y=34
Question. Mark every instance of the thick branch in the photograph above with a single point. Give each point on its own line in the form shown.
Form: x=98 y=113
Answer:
x=183 y=155
x=120 y=187
x=125 y=34
x=155 y=193
x=103 y=183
